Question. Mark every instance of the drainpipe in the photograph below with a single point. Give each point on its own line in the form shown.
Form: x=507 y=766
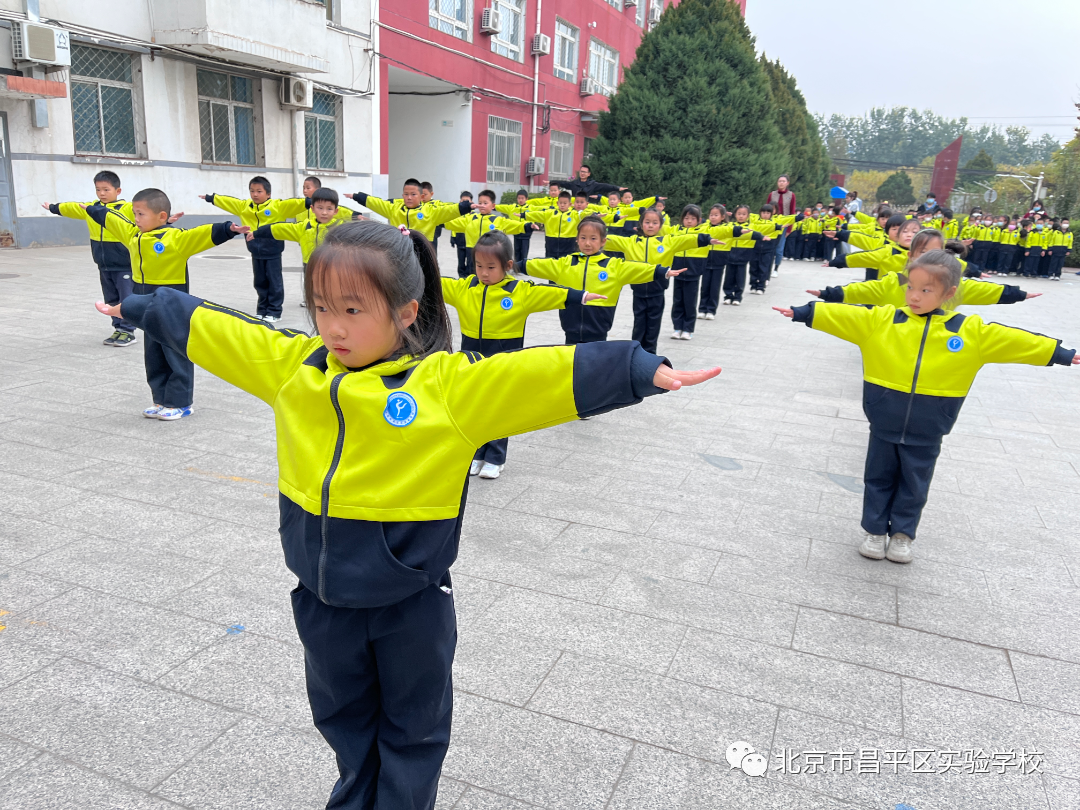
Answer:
x=536 y=87
x=298 y=150
x=39 y=107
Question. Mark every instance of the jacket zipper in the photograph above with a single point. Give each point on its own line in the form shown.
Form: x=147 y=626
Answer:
x=584 y=278
x=483 y=300
x=325 y=512
x=142 y=271
x=915 y=379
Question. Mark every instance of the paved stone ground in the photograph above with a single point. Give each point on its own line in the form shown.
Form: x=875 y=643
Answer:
x=635 y=593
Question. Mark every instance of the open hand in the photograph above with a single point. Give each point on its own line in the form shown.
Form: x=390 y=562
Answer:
x=673 y=273
x=202 y=196
x=815 y=293
x=45 y=206
x=175 y=217
x=787 y=313
x=112 y=311
x=589 y=296
x=824 y=264
x=239 y=228
x=249 y=236
x=671 y=380
x=766 y=239
x=1033 y=295
x=1075 y=362
x=716 y=242
x=829 y=234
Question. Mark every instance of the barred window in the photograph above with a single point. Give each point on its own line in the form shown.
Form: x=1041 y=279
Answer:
x=453 y=17
x=512 y=22
x=562 y=155
x=603 y=66
x=566 y=51
x=321 y=127
x=615 y=4
x=504 y=150
x=103 y=101
x=226 y=118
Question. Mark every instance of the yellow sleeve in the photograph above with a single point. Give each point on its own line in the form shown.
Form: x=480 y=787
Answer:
x=291 y=207
x=458 y=224
x=122 y=228
x=865 y=219
x=194 y=240
x=544 y=297
x=866 y=292
x=636 y=272
x=510 y=225
x=508 y=208
x=853 y=323
x=72 y=210
x=973 y=292
x=234 y=205
x=866 y=258
x=444 y=214
x=378 y=205
x=619 y=243
x=288 y=230
x=452 y=288
x=538 y=216
x=863 y=241
x=544 y=268
x=685 y=241
x=1006 y=344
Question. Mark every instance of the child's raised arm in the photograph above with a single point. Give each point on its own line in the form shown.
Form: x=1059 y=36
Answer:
x=118 y=225
x=1007 y=344
x=851 y=322
x=234 y=205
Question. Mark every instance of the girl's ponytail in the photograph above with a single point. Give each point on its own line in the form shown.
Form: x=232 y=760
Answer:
x=431 y=331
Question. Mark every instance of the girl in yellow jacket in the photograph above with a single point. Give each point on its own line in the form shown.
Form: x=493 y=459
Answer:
x=377 y=423
x=919 y=361
x=890 y=257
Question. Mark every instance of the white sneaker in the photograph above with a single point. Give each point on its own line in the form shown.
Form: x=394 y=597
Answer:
x=152 y=412
x=899 y=548
x=873 y=547
x=172 y=414
x=710 y=316
x=271 y=318
x=736 y=303
x=491 y=470
x=701 y=316
x=303 y=303
x=687 y=335
x=475 y=467
x=727 y=301
x=676 y=335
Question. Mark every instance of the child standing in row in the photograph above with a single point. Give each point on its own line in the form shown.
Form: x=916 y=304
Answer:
x=481 y=221
x=740 y=253
x=457 y=239
x=713 y=274
x=519 y=209
x=161 y=254
x=919 y=362
x=377 y=423
x=691 y=260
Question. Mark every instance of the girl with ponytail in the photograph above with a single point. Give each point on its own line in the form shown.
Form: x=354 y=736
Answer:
x=377 y=425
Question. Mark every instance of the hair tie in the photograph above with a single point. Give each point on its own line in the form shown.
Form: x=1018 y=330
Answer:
x=404 y=230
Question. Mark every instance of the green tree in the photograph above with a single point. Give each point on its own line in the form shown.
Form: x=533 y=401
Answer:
x=977 y=169
x=897 y=189
x=693 y=119
x=809 y=161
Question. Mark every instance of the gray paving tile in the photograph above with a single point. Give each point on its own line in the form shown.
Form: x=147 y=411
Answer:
x=783 y=677
x=53 y=784
x=34 y=498
x=950 y=717
x=1062 y=794
x=19 y=659
x=500 y=666
x=721 y=533
x=635 y=552
x=450 y=790
x=14 y=755
x=649 y=708
x=589 y=509
x=906 y=652
x=129 y=637
x=703 y=606
x=600 y=632
x=124 y=728
x=122 y=519
x=532 y=758
x=255 y=766
x=509 y=527
x=476 y=799
x=21 y=590
x=246 y=549
x=472 y=597
x=1046 y=682
x=249 y=673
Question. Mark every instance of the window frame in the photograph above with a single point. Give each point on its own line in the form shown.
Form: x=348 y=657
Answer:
x=337 y=120
x=503 y=47
x=138 y=121
x=600 y=48
x=558 y=70
x=615 y=4
x=435 y=16
x=508 y=134
x=254 y=105
x=563 y=148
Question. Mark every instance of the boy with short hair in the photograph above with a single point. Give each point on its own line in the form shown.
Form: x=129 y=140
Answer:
x=518 y=209
x=160 y=254
x=109 y=253
x=309 y=233
x=457 y=239
x=485 y=218
x=261 y=210
x=411 y=211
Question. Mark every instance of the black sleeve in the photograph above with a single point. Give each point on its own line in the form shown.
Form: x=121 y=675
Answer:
x=360 y=197
x=757 y=236
x=661 y=273
x=843 y=235
x=463 y=207
x=263 y=232
x=165 y=315
x=54 y=208
x=1062 y=356
x=602 y=188
x=841 y=261
x=832 y=295
x=737 y=231
x=221 y=232
x=613 y=374
x=704 y=240
x=1011 y=294
x=804 y=314
x=98 y=213
x=209 y=198
x=800 y=217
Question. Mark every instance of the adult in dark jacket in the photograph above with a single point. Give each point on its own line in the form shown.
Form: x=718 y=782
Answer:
x=584 y=184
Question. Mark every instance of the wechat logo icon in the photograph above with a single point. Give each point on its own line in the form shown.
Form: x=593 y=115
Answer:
x=742 y=755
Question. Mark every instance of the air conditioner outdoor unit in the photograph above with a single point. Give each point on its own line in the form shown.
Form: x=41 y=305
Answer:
x=490 y=22
x=541 y=45
x=588 y=86
x=629 y=3
x=535 y=166
x=43 y=44
x=297 y=93
x=654 y=14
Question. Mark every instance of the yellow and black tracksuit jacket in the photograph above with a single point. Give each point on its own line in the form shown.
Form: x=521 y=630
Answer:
x=343 y=215
x=159 y=257
x=889 y=258
x=917 y=369
x=424 y=218
x=560 y=227
x=475 y=225
x=891 y=289
x=492 y=316
x=310 y=233
x=373 y=462
x=598 y=273
x=658 y=250
x=950 y=229
x=514 y=210
x=108 y=251
x=255 y=215
x=740 y=246
x=773 y=228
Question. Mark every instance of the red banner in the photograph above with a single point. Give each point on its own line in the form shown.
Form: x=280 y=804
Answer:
x=945 y=165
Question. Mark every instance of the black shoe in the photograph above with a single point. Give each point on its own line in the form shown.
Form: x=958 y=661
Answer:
x=111 y=339
x=124 y=339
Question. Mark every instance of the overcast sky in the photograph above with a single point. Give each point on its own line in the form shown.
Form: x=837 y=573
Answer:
x=994 y=61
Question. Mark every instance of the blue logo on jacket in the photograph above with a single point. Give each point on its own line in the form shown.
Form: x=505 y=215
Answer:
x=267 y=212
x=507 y=303
x=400 y=409
x=955 y=343
x=159 y=247
x=659 y=248
x=420 y=215
x=603 y=275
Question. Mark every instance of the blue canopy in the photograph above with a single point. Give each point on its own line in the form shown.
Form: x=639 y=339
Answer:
x=838 y=192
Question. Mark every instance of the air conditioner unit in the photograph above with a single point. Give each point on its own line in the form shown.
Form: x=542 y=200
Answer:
x=535 y=166
x=490 y=23
x=43 y=44
x=629 y=3
x=654 y=14
x=296 y=93
x=541 y=45
x=588 y=86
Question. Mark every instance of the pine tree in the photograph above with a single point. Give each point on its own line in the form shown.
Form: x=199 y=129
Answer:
x=897 y=189
x=974 y=170
x=693 y=119
x=808 y=169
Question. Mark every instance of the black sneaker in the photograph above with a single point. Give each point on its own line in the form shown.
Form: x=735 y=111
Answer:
x=111 y=339
x=123 y=339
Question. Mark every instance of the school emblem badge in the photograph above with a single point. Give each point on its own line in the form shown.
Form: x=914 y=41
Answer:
x=955 y=343
x=400 y=409
x=159 y=247
x=603 y=275
x=507 y=303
